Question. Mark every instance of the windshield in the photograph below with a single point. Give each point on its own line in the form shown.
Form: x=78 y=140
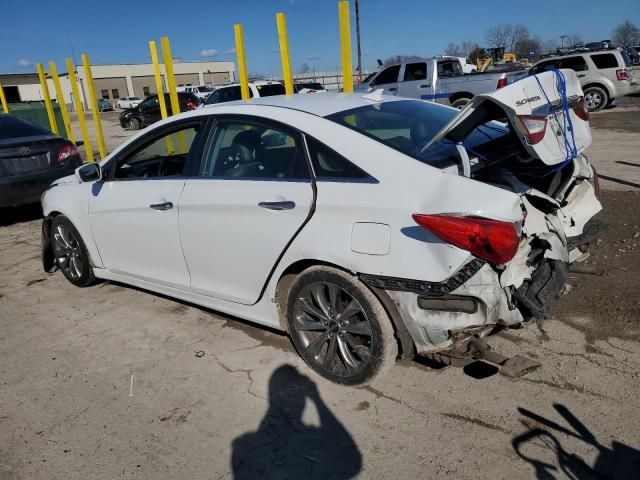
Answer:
x=271 y=89
x=408 y=126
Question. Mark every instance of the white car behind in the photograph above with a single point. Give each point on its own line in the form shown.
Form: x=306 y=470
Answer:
x=128 y=102
x=366 y=227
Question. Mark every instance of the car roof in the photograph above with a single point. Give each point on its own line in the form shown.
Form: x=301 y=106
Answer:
x=321 y=105
x=254 y=82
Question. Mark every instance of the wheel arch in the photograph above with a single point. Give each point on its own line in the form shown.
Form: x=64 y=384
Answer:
x=459 y=95
x=606 y=89
x=288 y=275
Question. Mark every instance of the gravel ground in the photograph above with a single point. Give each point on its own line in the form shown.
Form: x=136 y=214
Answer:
x=114 y=382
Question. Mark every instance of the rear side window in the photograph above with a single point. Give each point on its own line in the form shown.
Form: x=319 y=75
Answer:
x=449 y=69
x=627 y=58
x=574 y=63
x=388 y=75
x=605 y=60
x=329 y=165
x=415 y=71
x=14 y=127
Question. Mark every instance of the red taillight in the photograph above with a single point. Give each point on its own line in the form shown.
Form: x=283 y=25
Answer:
x=622 y=74
x=533 y=127
x=191 y=105
x=491 y=240
x=580 y=110
x=501 y=83
x=68 y=152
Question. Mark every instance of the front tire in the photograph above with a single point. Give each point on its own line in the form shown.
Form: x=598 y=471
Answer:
x=339 y=327
x=460 y=103
x=595 y=98
x=133 y=124
x=70 y=252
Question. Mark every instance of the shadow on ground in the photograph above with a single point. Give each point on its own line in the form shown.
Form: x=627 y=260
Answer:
x=284 y=447
x=618 y=462
x=26 y=213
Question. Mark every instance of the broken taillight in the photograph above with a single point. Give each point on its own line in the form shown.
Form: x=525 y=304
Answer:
x=596 y=183
x=67 y=152
x=501 y=83
x=533 y=127
x=491 y=240
x=580 y=110
x=191 y=105
x=622 y=74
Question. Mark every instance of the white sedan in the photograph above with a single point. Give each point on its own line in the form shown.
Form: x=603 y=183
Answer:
x=128 y=102
x=366 y=227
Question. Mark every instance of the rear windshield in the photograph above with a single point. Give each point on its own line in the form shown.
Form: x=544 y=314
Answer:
x=205 y=89
x=13 y=127
x=408 y=126
x=271 y=89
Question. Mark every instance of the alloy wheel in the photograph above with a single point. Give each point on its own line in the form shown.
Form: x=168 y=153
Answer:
x=592 y=100
x=333 y=328
x=68 y=252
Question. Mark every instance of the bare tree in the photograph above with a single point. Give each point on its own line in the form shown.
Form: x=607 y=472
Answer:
x=626 y=34
x=467 y=46
x=574 y=40
x=527 y=45
x=499 y=36
x=453 y=49
x=549 y=46
x=401 y=58
x=520 y=33
x=304 y=68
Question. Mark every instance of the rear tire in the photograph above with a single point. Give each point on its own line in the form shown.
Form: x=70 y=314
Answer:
x=460 y=103
x=339 y=327
x=595 y=98
x=70 y=252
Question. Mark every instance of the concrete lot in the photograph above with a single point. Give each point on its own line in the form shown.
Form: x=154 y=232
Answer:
x=201 y=403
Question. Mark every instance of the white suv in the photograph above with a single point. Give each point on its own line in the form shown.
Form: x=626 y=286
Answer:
x=260 y=88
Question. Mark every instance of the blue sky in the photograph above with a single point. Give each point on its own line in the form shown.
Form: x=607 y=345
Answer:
x=118 y=31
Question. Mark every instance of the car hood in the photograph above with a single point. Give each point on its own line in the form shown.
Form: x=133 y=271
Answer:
x=64 y=180
x=537 y=96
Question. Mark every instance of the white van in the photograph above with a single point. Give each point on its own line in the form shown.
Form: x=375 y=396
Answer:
x=201 y=91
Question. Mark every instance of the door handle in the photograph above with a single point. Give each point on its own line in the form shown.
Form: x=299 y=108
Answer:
x=161 y=206
x=284 y=205
x=392 y=89
x=581 y=75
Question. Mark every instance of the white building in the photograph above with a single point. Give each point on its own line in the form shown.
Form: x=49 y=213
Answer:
x=116 y=81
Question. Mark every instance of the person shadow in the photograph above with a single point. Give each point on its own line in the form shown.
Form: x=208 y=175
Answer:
x=618 y=462
x=284 y=447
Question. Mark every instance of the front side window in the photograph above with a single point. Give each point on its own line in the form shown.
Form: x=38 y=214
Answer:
x=415 y=71
x=605 y=60
x=388 y=75
x=164 y=156
x=544 y=66
x=249 y=150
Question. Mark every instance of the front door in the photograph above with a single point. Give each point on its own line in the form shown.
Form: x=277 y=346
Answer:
x=134 y=214
x=415 y=83
x=251 y=196
x=387 y=79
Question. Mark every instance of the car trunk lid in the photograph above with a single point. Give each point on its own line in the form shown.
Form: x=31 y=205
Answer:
x=27 y=155
x=543 y=111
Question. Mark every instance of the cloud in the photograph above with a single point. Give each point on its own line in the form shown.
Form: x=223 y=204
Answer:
x=207 y=53
x=23 y=62
x=231 y=51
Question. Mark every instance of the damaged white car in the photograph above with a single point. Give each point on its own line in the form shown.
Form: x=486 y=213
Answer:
x=367 y=227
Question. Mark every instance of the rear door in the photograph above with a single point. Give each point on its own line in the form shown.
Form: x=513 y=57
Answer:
x=387 y=79
x=578 y=65
x=251 y=196
x=415 y=82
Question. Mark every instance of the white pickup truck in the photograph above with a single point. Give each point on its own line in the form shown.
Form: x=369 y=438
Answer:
x=439 y=79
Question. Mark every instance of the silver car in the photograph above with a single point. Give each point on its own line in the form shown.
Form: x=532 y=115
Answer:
x=603 y=74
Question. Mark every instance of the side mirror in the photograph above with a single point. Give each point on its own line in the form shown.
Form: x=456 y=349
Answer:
x=89 y=172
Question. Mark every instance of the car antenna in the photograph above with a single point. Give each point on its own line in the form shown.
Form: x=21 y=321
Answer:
x=375 y=96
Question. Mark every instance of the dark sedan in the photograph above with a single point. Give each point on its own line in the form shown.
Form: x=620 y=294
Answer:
x=31 y=157
x=148 y=111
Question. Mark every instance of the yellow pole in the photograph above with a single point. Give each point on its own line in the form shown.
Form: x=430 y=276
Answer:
x=242 y=62
x=47 y=98
x=160 y=89
x=95 y=111
x=3 y=100
x=345 y=46
x=168 y=71
x=71 y=70
x=61 y=102
x=281 y=22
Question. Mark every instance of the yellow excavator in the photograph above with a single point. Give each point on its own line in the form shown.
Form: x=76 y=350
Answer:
x=498 y=55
